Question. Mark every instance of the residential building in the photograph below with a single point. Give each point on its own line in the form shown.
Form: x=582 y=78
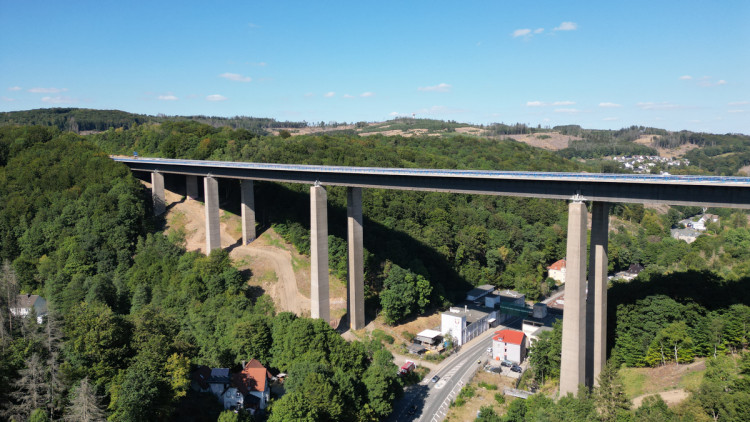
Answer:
x=556 y=271
x=249 y=389
x=24 y=304
x=509 y=345
x=254 y=384
x=688 y=235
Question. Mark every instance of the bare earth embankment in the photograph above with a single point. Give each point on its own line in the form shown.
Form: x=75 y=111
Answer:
x=274 y=266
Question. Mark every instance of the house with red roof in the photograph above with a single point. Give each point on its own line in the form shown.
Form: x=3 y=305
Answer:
x=248 y=389
x=509 y=345
x=556 y=271
x=254 y=383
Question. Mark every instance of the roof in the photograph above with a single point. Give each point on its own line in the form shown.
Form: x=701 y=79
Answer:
x=254 y=377
x=509 y=336
x=430 y=333
x=472 y=312
x=512 y=294
x=559 y=265
x=201 y=375
x=26 y=301
x=635 y=268
x=480 y=291
x=219 y=376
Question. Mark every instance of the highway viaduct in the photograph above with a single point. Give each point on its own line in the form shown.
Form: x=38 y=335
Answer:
x=584 y=318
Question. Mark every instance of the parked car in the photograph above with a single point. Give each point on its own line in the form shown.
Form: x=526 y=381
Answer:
x=506 y=363
x=435 y=378
x=516 y=368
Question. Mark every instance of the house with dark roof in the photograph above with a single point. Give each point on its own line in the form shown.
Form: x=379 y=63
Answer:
x=26 y=302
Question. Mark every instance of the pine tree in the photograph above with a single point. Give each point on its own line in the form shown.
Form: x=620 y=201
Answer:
x=84 y=407
x=610 y=395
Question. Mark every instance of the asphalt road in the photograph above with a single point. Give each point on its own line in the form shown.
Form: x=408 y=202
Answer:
x=428 y=401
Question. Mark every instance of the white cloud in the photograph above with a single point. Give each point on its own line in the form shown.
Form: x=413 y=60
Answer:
x=47 y=90
x=721 y=82
x=58 y=100
x=442 y=87
x=215 y=97
x=329 y=94
x=235 y=77
x=367 y=94
x=394 y=114
x=738 y=103
x=686 y=77
x=521 y=33
x=736 y=111
x=544 y=104
x=309 y=94
x=6 y=99
x=14 y=88
x=610 y=119
x=539 y=30
x=252 y=25
x=567 y=26
x=567 y=110
x=609 y=105
x=657 y=106
x=348 y=96
x=168 y=97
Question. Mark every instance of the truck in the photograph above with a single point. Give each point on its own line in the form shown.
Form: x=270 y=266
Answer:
x=407 y=367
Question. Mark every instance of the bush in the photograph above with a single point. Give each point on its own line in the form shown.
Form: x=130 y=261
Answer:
x=381 y=336
x=499 y=398
x=488 y=386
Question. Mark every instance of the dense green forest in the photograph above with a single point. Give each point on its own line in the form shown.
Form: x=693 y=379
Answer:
x=131 y=311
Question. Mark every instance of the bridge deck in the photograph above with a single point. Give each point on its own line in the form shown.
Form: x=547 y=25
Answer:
x=718 y=191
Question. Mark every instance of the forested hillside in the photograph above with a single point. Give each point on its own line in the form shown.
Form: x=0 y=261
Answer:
x=131 y=311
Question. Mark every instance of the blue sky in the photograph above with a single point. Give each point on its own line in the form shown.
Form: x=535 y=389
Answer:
x=601 y=64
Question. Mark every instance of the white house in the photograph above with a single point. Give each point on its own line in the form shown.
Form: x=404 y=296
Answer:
x=24 y=304
x=509 y=345
x=556 y=271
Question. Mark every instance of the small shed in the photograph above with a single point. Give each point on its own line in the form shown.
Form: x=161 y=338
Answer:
x=431 y=337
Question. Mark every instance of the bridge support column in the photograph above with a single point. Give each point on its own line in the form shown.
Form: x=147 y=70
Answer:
x=572 y=365
x=247 y=209
x=157 y=193
x=211 y=194
x=356 y=272
x=319 y=300
x=596 y=298
x=191 y=187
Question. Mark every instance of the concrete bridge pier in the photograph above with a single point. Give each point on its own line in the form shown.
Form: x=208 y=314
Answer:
x=596 y=298
x=213 y=233
x=157 y=193
x=191 y=187
x=572 y=365
x=319 y=299
x=247 y=208
x=356 y=272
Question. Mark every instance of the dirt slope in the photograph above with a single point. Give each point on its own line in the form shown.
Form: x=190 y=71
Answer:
x=275 y=267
